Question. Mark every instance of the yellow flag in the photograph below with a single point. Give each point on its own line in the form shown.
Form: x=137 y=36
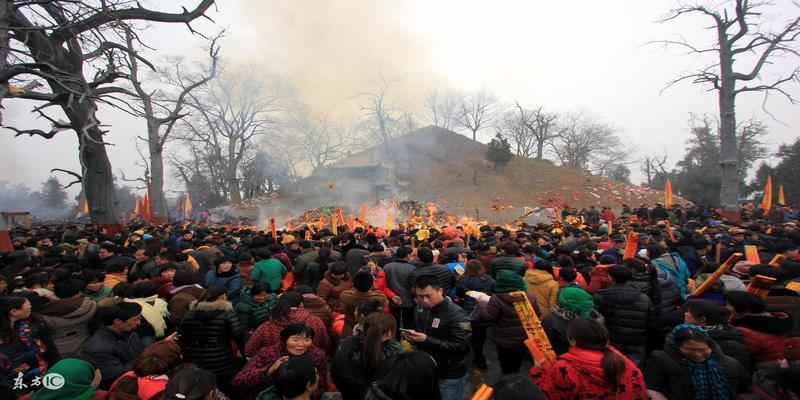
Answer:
x=781 y=199
x=766 y=202
x=188 y=206
x=85 y=207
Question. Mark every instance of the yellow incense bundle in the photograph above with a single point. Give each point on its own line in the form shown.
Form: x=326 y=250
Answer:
x=537 y=341
x=669 y=232
x=777 y=260
x=760 y=285
x=631 y=246
x=484 y=392
x=727 y=265
x=751 y=254
x=273 y=229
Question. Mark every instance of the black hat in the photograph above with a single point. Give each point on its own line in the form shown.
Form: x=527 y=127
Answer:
x=618 y=238
x=362 y=281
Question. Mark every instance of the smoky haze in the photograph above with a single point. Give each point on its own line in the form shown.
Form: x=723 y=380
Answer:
x=330 y=50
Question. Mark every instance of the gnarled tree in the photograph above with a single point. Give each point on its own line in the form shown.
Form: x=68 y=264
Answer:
x=64 y=43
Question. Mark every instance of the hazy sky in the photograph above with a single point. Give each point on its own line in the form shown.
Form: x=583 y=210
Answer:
x=567 y=56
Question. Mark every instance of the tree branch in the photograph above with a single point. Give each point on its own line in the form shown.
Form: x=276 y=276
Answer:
x=78 y=177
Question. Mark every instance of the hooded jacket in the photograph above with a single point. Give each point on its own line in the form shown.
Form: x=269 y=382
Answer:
x=182 y=298
x=347 y=371
x=330 y=291
x=599 y=278
x=251 y=313
x=206 y=333
x=578 y=374
x=765 y=336
x=628 y=313
x=507 y=330
x=544 y=288
x=67 y=321
x=508 y=262
x=231 y=280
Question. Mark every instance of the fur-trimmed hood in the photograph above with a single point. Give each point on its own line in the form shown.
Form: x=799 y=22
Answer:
x=211 y=306
x=776 y=323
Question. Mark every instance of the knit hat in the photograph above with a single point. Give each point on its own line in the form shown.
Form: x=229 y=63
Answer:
x=603 y=229
x=742 y=269
x=70 y=378
x=509 y=281
x=576 y=300
x=362 y=281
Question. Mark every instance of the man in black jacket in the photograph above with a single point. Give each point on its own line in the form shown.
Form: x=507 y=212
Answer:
x=443 y=331
x=115 y=345
x=428 y=267
x=628 y=312
x=398 y=273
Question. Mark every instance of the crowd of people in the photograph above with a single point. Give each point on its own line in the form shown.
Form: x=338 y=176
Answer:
x=191 y=311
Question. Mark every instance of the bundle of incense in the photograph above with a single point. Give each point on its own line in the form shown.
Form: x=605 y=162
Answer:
x=308 y=235
x=760 y=285
x=483 y=393
x=669 y=232
x=364 y=213
x=751 y=254
x=537 y=341
x=479 y=296
x=389 y=222
x=727 y=265
x=273 y=229
x=777 y=260
x=631 y=246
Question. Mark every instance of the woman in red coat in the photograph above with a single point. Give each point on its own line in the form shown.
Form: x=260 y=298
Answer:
x=285 y=313
x=591 y=368
x=765 y=334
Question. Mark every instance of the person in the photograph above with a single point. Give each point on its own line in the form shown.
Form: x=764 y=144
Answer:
x=412 y=377
x=691 y=366
x=774 y=384
x=397 y=278
x=67 y=319
x=379 y=277
x=154 y=311
x=25 y=342
x=765 y=333
x=254 y=306
x=517 y=388
x=336 y=281
x=246 y=265
x=509 y=259
x=713 y=318
x=94 y=289
x=227 y=275
x=80 y=379
x=151 y=371
x=193 y=384
x=442 y=330
x=317 y=268
x=599 y=274
x=508 y=333
x=361 y=291
x=287 y=311
x=672 y=264
x=296 y=379
x=268 y=270
x=573 y=302
x=591 y=368
x=629 y=314
x=616 y=250
x=543 y=285
x=259 y=372
x=314 y=304
x=365 y=358
x=475 y=279
x=207 y=333
x=185 y=293
x=429 y=267
x=115 y=345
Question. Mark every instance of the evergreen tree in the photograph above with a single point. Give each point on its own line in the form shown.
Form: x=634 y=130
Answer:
x=499 y=151
x=53 y=196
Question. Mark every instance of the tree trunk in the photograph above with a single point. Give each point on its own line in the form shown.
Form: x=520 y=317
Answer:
x=4 y=49
x=157 y=198
x=539 y=149
x=475 y=135
x=230 y=173
x=98 y=179
x=728 y=155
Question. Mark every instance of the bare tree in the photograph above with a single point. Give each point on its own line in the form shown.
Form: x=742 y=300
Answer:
x=381 y=120
x=588 y=145
x=478 y=110
x=320 y=139
x=443 y=108
x=513 y=127
x=535 y=130
x=654 y=166
x=738 y=34
x=161 y=110
x=231 y=113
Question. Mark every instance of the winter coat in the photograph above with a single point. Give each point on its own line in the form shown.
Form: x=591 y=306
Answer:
x=765 y=336
x=206 y=333
x=483 y=284
x=354 y=258
x=269 y=333
x=613 y=252
x=317 y=307
x=231 y=280
x=269 y=272
x=676 y=268
x=252 y=379
x=350 y=299
x=301 y=264
x=629 y=314
x=507 y=330
x=731 y=342
x=787 y=301
x=68 y=323
x=29 y=355
x=555 y=326
x=508 y=262
x=245 y=269
x=764 y=387
x=113 y=354
x=182 y=298
x=599 y=278
x=347 y=371
x=449 y=331
x=251 y=313
x=670 y=292
x=397 y=278
x=485 y=257
x=544 y=288
x=442 y=273
x=665 y=373
x=164 y=287
x=284 y=259
x=330 y=291
x=578 y=374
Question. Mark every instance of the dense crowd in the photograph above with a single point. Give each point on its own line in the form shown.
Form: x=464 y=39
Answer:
x=194 y=311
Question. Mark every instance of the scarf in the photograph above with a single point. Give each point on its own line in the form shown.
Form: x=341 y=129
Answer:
x=707 y=376
x=509 y=281
x=576 y=300
x=155 y=314
x=77 y=376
